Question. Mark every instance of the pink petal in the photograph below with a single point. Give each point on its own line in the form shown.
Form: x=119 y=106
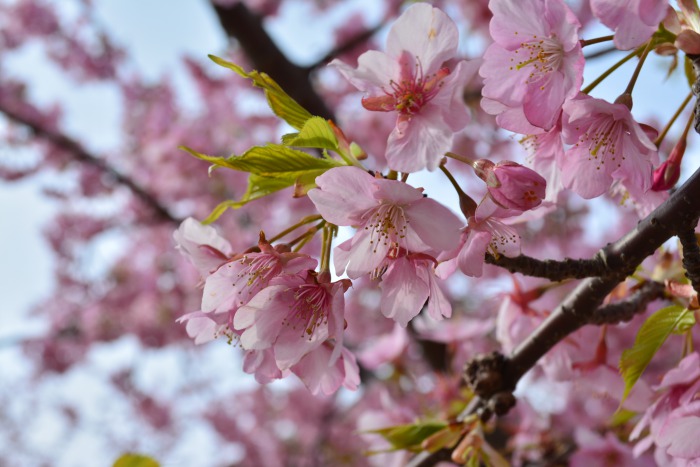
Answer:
x=343 y=195
x=425 y=32
x=403 y=292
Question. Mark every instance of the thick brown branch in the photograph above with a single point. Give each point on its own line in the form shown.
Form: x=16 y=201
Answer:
x=626 y=309
x=247 y=28
x=691 y=256
x=578 y=308
x=80 y=154
x=583 y=304
x=551 y=269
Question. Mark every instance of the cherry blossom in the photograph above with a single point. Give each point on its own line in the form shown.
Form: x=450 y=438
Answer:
x=411 y=78
x=202 y=244
x=387 y=213
x=633 y=21
x=607 y=144
x=294 y=315
x=323 y=375
x=240 y=278
x=409 y=280
x=535 y=63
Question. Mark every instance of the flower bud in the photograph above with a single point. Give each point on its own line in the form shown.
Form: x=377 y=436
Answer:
x=667 y=174
x=512 y=185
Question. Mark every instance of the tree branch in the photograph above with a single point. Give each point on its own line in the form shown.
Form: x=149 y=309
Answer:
x=493 y=375
x=247 y=28
x=80 y=154
x=691 y=256
x=551 y=269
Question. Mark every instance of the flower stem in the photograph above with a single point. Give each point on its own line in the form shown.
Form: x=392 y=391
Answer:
x=460 y=157
x=635 y=75
x=452 y=180
x=668 y=126
x=608 y=72
x=597 y=40
x=302 y=239
x=329 y=231
x=304 y=221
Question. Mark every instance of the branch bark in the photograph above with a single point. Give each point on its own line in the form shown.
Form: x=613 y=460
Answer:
x=498 y=374
x=247 y=28
x=81 y=154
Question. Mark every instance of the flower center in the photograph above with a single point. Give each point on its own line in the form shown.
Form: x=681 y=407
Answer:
x=601 y=140
x=409 y=94
x=387 y=224
x=310 y=309
x=540 y=56
x=256 y=274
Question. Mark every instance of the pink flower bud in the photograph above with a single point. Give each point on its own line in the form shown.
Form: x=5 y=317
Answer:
x=667 y=174
x=512 y=185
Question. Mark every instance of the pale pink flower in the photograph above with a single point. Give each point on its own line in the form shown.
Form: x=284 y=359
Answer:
x=202 y=328
x=321 y=374
x=202 y=244
x=484 y=233
x=387 y=213
x=240 y=278
x=607 y=144
x=294 y=315
x=673 y=420
x=545 y=152
x=634 y=21
x=594 y=449
x=411 y=78
x=535 y=63
x=512 y=185
x=409 y=280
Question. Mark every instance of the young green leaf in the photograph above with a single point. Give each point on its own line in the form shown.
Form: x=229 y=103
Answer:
x=316 y=133
x=272 y=160
x=650 y=337
x=272 y=168
x=409 y=436
x=279 y=101
x=135 y=460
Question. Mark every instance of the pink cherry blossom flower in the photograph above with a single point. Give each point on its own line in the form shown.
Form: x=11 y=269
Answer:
x=321 y=374
x=294 y=315
x=512 y=185
x=407 y=283
x=674 y=419
x=634 y=21
x=240 y=278
x=201 y=327
x=387 y=213
x=607 y=144
x=535 y=63
x=545 y=152
x=484 y=233
x=411 y=79
x=202 y=244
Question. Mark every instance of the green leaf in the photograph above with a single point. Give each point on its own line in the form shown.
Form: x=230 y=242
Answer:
x=135 y=460
x=409 y=436
x=279 y=101
x=273 y=168
x=650 y=337
x=316 y=133
x=272 y=160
